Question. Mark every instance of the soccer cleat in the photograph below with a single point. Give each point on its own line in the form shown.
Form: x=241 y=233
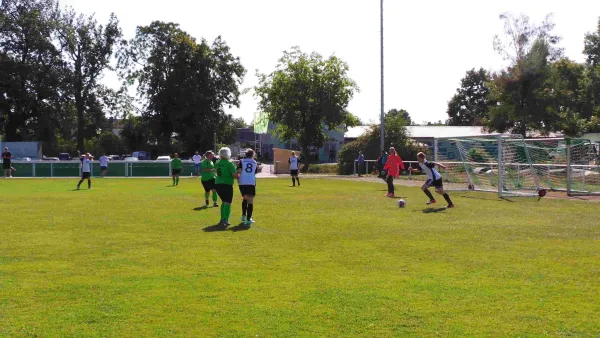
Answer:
x=244 y=219
x=450 y=206
x=248 y=223
x=206 y=202
x=216 y=205
x=432 y=202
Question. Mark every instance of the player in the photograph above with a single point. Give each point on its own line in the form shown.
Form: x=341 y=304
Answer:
x=433 y=179
x=226 y=174
x=247 y=183
x=294 y=162
x=393 y=165
x=103 y=164
x=86 y=170
x=208 y=178
x=176 y=169
x=6 y=165
x=197 y=163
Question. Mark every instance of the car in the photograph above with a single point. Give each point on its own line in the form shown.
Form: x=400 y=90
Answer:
x=114 y=157
x=123 y=157
x=131 y=159
x=64 y=157
x=53 y=159
x=24 y=159
x=163 y=158
x=141 y=155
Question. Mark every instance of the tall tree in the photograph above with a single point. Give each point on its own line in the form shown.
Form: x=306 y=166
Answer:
x=88 y=48
x=592 y=47
x=592 y=53
x=305 y=96
x=400 y=113
x=185 y=84
x=530 y=48
x=471 y=103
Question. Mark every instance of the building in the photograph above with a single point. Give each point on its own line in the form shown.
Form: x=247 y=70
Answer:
x=246 y=138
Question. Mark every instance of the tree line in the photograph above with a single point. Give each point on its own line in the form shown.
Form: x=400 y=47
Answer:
x=539 y=91
x=52 y=61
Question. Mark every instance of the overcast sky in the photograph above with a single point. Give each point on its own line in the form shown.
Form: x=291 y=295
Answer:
x=429 y=45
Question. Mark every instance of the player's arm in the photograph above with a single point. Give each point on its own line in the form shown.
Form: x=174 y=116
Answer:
x=235 y=173
x=440 y=165
x=239 y=169
x=413 y=170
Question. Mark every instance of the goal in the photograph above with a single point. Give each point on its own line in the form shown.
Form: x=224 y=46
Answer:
x=495 y=163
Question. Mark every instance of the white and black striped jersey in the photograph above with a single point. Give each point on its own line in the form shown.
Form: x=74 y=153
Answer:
x=248 y=168
x=429 y=169
x=293 y=161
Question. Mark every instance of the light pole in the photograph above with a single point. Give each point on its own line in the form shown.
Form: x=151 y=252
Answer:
x=381 y=126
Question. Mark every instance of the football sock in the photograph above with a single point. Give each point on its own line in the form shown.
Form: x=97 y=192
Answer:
x=250 y=210
x=89 y=184
x=447 y=198
x=215 y=196
x=206 y=195
x=227 y=211
x=173 y=180
x=428 y=193
x=222 y=212
x=298 y=180
x=293 y=181
x=244 y=207
x=79 y=184
x=177 y=181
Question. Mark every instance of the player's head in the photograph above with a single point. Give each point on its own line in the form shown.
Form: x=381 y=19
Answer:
x=249 y=153
x=225 y=153
x=209 y=155
x=293 y=153
x=383 y=152
x=421 y=157
x=392 y=151
x=197 y=153
x=5 y=148
x=176 y=155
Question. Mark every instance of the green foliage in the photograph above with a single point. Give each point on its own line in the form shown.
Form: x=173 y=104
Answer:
x=185 y=84
x=471 y=103
x=395 y=136
x=476 y=155
x=325 y=168
x=305 y=96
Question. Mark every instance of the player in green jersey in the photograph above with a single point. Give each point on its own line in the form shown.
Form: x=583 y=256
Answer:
x=176 y=168
x=208 y=178
x=226 y=174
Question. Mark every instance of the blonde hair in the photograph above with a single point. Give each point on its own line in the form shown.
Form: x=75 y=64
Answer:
x=421 y=154
x=225 y=153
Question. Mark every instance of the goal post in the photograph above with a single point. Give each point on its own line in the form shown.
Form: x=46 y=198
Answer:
x=493 y=163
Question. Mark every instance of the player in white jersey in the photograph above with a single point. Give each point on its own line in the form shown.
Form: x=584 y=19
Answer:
x=103 y=164
x=197 y=160
x=86 y=170
x=247 y=183
x=294 y=162
x=434 y=179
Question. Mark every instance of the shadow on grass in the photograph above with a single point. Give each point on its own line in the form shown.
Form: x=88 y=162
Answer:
x=204 y=207
x=433 y=210
x=240 y=227
x=491 y=197
x=215 y=228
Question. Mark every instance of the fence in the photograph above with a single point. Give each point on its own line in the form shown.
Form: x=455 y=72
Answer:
x=115 y=168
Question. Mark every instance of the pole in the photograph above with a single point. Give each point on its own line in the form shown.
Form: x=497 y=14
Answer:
x=215 y=141
x=569 y=173
x=382 y=128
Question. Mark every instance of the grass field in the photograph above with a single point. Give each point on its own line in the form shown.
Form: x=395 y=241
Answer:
x=133 y=257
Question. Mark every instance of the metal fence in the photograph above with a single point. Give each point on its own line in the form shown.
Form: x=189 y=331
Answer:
x=115 y=168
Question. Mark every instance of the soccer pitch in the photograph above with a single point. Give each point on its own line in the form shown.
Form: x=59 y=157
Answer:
x=133 y=257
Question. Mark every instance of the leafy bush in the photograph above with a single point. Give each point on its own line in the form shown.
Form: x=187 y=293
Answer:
x=323 y=169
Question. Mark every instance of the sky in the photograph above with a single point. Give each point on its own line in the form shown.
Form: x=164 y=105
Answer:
x=429 y=45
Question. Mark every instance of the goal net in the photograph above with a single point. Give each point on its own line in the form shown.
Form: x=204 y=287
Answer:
x=495 y=163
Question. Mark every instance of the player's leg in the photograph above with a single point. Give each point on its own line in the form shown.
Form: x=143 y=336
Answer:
x=177 y=179
x=227 y=203
x=173 y=176
x=89 y=179
x=298 y=178
x=390 y=184
x=79 y=184
x=214 y=197
x=249 y=219
x=425 y=189
x=440 y=190
x=293 y=178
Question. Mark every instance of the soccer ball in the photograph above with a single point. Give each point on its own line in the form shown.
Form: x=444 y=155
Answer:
x=401 y=203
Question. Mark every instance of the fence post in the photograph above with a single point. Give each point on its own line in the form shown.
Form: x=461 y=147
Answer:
x=51 y=169
x=126 y=169
x=435 y=150
x=367 y=167
x=354 y=167
x=500 y=167
x=170 y=170
x=33 y=170
x=549 y=179
x=569 y=175
x=91 y=169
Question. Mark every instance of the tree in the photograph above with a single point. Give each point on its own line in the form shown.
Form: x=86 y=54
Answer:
x=516 y=90
x=305 y=96
x=403 y=114
x=592 y=47
x=88 y=49
x=185 y=85
x=471 y=103
x=396 y=136
x=592 y=53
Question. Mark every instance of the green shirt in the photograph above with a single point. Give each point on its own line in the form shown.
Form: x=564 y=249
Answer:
x=207 y=175
x=225 y=171
x=176 y=163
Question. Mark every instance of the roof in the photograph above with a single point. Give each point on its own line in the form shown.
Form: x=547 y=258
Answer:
x=426 y=131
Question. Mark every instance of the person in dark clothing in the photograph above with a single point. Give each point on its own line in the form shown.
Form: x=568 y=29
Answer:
x=6 y=163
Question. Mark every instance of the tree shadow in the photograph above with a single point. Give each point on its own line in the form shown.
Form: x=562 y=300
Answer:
x=215 y=228
x=240 y=227
x=433 y=210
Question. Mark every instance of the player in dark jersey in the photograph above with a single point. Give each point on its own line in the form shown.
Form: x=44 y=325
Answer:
x=434 y=179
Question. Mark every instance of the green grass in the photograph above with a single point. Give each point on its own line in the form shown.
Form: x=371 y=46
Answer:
x=331 y=258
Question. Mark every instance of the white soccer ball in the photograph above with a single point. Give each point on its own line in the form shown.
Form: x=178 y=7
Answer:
x=401 y=203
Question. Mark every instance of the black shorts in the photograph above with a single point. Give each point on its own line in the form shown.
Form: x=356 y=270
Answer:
x=225 y=192
x=248 y=190
x=85 y=175
x=435 y=183
x=6 y=165
x=175 y=172
x=294 y=172
x=103 y=168
x=209 y=185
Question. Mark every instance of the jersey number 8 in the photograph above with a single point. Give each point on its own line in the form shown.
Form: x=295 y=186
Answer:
x=248 y=168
